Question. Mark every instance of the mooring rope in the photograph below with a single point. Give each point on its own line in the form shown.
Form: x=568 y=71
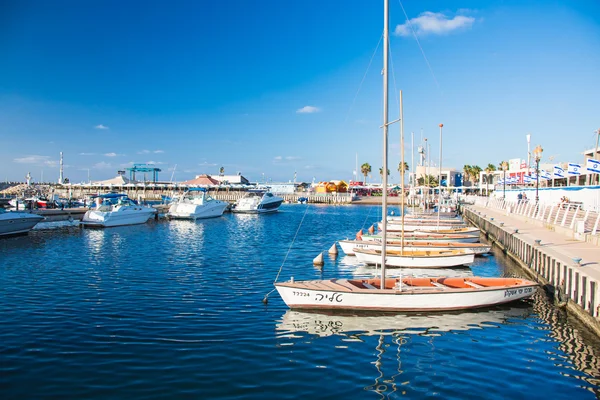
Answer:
x=265 y=300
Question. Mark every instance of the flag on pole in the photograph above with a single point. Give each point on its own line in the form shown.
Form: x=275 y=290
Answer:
x=593 y=165
x=559 y=172
x=546 y=175
x=527 y=179
x=574 y=169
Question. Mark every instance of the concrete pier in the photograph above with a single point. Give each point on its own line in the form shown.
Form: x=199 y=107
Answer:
x=569 y=268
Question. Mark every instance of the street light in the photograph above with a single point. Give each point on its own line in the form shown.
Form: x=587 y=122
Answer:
x=504 y=168
x=537 y=153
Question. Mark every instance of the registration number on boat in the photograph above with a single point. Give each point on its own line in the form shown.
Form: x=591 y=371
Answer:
x=514 y=292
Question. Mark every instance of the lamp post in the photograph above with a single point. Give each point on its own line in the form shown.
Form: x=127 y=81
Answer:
x=537 y=153
x=504 y=168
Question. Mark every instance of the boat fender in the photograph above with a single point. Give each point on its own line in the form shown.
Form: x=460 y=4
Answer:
x=333 y=250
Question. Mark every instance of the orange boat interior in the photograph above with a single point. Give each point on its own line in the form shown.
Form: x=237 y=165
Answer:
x=451 y=283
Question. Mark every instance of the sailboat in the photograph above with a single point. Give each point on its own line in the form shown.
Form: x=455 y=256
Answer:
x=402 y=293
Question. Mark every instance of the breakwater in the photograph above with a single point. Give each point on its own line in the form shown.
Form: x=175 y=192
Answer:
x=572 y=284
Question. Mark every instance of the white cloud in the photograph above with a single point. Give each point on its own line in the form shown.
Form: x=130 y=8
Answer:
x=101 y=127
x=102 y=165
x=111 y=154
x=207 y=164
x=155 y=163
x=278 y=158
x=39 y=161
x=146 y=151
x=308 y=110
x=87 y=154
x=292 y=158
x=434 y=23
x=32 y=159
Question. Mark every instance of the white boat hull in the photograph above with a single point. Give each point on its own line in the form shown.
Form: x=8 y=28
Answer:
x=348 y=247
x=211 y=209
x=407 y=261
x=104 y=219
x=302 y=295
x=465 y=239
x=17 y=223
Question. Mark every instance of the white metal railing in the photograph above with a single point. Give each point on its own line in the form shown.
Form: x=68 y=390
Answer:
x=564 y=215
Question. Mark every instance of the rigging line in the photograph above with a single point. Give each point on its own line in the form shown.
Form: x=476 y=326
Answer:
x=368 y=214
x=419 y=44
x=393 y=75
x=363 y=80
x=289 y=250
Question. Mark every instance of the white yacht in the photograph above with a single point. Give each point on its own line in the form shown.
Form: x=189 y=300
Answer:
x=116 y=210
x=195 y=204
x=257 y=201
x=16 y=223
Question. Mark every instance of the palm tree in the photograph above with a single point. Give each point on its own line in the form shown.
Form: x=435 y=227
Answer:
x=488 y=175
x=428 y=180
x=475 y=170
x=402 y=170
x=466 y=173
x=366 y=170
x=381 y=172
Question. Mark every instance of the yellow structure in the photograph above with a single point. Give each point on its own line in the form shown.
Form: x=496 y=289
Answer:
x=331 y=187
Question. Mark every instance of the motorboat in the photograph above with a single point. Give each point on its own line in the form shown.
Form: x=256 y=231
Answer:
x=196 y=204
x=17 y=223
x=257 y=202
x=116 y=209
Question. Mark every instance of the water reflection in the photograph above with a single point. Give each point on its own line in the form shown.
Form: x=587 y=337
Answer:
x=398 y=333
x=354 y=326
x=574 y=343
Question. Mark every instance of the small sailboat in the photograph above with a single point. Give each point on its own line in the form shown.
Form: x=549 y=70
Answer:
x=424 y=238
x=348 y=246
x=402 y=293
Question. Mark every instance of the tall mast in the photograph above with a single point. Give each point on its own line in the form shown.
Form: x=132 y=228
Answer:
x=414 y=172
x=385 y=139
x=440 y=181
x=402 y=169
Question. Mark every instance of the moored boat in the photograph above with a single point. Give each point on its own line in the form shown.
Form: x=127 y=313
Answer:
x=404 y=294
x=406 y=258
x=348 y=246
x=116 y=210
x=196 y=204
x=431 y=237
x=17 y=223
x=257 y=202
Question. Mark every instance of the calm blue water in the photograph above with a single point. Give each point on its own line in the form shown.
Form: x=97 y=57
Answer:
x=173 y=310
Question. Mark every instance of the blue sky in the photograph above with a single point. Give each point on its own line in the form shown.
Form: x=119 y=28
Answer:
x=274 y=87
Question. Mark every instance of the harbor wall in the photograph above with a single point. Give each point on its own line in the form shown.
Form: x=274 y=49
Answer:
x=561 y=276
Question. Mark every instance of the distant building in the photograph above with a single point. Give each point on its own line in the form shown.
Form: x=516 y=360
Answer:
x=201 y=180
x=232 y=179
x=283 y=188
